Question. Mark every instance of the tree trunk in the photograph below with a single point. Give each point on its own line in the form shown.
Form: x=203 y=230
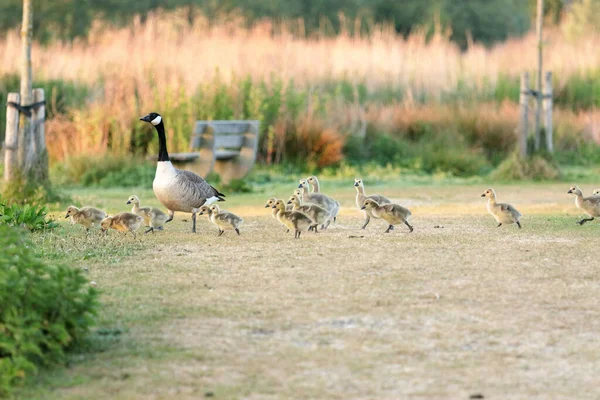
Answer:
x=25 y=140
x=38 y=118
x=523 y=130
x=538 y=111
x=548 y=112
x=11 y=139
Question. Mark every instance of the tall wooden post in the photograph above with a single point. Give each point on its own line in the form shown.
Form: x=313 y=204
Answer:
x=548 y=112
x=25 y=132
x=39 y=151
x=538 y=111
x=11 y=140
x=523 y=130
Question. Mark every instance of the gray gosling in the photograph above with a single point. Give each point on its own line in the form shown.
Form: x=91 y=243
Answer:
x=225 y=220
x=391 y=213
x=314 y=183
x=590 y=205
x=319 y=199
x=154 y=218
x=361 y=197
x=86 y=216
x=596 y=192
x=123 y=222
x=294 y=220
x=312 y=211
x=503 y=213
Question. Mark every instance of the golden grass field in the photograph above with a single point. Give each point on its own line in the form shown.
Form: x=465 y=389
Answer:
x=457 y=308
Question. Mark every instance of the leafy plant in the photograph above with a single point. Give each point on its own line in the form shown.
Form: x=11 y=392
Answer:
x=44 y=309
x=29 y=216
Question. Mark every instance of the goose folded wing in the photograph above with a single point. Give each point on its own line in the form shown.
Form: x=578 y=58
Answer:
x=194 y=187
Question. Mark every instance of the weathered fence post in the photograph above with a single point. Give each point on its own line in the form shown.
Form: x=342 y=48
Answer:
x=11 y=142
x=548 y=112
x=524 y=114
x=40 y=154
x=25 y=133
x=540 y=44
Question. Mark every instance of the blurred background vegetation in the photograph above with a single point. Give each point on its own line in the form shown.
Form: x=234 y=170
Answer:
x=427 y=86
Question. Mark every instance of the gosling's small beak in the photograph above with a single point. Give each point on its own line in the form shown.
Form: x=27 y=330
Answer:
x=266 y=206
x=363 y=207
x=274 y=207
x=66 y=216
x=483 y=195
x=300 y=186
x=355 y=183
x=201 y=213
x=289 y=202
x=128 y=202
x=570 y=191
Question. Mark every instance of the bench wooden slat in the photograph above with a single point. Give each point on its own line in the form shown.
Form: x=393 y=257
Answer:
x=184 y=156
x=234 y=127
x=226 y=154
x=234 y=141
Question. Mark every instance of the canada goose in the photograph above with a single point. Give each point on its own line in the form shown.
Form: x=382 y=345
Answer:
x=312 y=211
x=176 y=189
x=295 y=220
x=123 y=222
x=503 y=213
x=154 y=218
x=319 y=199
x=314 y=183
x=86 y=216
x=224 y=220
x=391 y=213
x=596 y=192
x=590 y=205
x=361 y=197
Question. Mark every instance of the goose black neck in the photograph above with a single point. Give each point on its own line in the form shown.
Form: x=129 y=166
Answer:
x=163 y=154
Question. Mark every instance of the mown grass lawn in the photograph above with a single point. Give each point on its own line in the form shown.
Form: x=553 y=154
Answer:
x=459 y=307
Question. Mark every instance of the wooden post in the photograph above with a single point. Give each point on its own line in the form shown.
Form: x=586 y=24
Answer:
x=25 y=133
x=38 y=118
x=548 y=112
x=11 y=138
x=538 y=111
x=523 y=129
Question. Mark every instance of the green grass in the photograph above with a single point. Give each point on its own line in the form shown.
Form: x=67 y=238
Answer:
x=443 y=312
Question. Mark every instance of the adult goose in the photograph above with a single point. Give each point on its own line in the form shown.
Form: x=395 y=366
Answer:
x=176 y=189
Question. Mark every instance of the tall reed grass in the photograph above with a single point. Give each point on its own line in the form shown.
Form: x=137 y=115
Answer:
x=309 y=92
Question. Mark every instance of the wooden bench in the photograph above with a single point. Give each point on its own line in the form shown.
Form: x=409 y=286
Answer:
x=226 y=147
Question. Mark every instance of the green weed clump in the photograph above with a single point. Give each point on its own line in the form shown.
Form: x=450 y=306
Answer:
x=32 y=217
x=44 y=309
x=535 y=167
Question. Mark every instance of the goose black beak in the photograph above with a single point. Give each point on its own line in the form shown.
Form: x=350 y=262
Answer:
x=146 y=118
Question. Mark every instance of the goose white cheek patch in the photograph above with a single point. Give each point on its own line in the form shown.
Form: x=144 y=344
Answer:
x=156 y=120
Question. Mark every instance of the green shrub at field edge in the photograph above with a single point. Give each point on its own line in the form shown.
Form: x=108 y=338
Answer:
x=29 y=216
x=44 y=309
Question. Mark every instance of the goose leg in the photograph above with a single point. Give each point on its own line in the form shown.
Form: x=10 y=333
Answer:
x=171 y=214
x=193 y=222
x=367 y=219
x=499 y=225
x=389 y=229
x=407 y=224
x=519 y=224
x=583 y=221
x=237 y=231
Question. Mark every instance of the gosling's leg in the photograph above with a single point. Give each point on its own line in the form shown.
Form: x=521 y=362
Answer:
x=519 y=224
x=315 y=228
x=389 y=229
x=409 y=226
x=171 y=214
x=151 y=229
x=583 y=221
x=134 y=235
x=237 y=231
x=367 y=219
x=499 y=225
x=220 y=232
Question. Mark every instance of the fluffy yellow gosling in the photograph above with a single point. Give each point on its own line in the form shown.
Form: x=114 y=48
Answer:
x=589 y=205
x=393 y=214
x=225 y=220
x=123 y=222
x=361 y=197
x=294 y=220
x=85 y=216
x=503 y=213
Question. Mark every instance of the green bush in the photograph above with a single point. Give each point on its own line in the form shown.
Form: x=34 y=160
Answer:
x=44 y=309
x=31 y=217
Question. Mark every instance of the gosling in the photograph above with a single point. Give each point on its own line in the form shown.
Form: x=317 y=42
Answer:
x=316 y=213
x=154 y=218
x=86 y=216
x=295 y=220
x=596 y=192
x=590 y=205
x=225 y=220
x=391 y=213
x=319 y=199
x=503 y=213
x=271 y=202
x=123 y=222
x=361 y=197
x=313 y=181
